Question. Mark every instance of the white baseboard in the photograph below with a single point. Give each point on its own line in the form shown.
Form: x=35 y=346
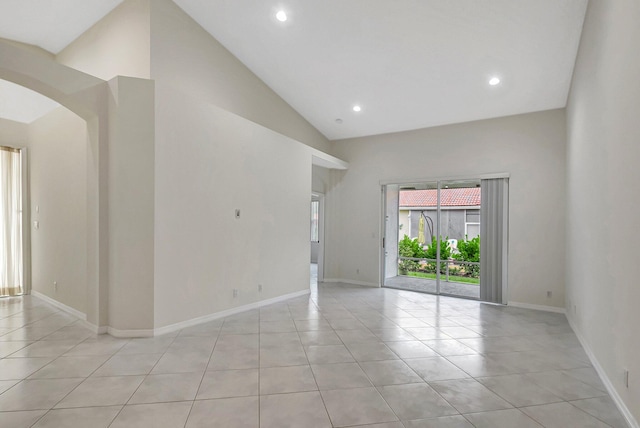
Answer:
x=68 y=309
x=538 y=307
x=223 y=314
x=170 y=328
x=130 y=333
x=351 y=281
x=99 y=330
x=605 y=379
x=94 y=328
x=82 y=317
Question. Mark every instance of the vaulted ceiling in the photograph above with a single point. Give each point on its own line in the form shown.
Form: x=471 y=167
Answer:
x=407 y=64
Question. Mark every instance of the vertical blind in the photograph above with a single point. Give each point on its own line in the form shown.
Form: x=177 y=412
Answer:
x=494 y=223
x=11 y=272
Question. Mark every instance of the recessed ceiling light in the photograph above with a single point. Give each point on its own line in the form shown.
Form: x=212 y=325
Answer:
x=494 y=81
x=339 y=121
x=281 y=16
x=357 y=108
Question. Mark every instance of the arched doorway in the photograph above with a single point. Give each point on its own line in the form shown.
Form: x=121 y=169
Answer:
x=86 y=96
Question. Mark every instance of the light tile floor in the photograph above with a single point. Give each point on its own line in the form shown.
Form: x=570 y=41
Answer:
x=344 y=356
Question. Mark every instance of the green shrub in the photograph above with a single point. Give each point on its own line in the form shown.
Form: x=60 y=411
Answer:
x=408 y=247
x=432 y=252
x=469 y=251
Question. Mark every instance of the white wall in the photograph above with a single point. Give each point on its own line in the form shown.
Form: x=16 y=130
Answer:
x=194 y=73
x=185 y=56
x=603 y=208
x=210 y=162
x=531 y=148
x=213 y=155
x=58 y=180
x=118 y=45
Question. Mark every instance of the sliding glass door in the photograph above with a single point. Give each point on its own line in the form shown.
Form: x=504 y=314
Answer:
x=459 y=243
x=437 y=227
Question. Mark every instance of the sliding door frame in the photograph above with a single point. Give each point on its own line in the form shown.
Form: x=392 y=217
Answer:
x=438 y=181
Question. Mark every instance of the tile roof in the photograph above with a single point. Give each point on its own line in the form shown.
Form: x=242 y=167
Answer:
x=448 y=197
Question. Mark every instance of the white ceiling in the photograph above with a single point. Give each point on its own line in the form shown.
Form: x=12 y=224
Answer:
x=409 y=63
x=50 y=24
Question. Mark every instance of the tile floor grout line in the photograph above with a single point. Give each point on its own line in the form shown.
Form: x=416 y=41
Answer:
x=215 y=342
x=145 y=376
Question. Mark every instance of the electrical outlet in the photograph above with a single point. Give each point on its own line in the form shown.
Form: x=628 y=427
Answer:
x=626 y=378
x=260 y=288
x=237 y=213
x=548 y=294
x=235 y=292
x=55 y=285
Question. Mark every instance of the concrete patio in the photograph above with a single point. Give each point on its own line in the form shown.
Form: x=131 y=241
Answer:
x=470 y=291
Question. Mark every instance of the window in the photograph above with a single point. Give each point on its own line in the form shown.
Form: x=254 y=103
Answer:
x=315 y=212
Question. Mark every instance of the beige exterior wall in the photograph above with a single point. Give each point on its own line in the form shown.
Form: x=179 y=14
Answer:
x=404 y=223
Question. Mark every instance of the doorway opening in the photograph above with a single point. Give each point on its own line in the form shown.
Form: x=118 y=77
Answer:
x=317 y=238
x=435 y=234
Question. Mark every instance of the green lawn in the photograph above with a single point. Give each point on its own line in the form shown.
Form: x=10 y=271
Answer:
x=452 y=278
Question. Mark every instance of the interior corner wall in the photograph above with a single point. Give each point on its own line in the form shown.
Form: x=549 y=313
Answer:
x=185 y=56
x=131 y=182
x=117 y=45
x=58 y=176
x=530 y=147
x=603 y=205
x=13 y=134
x=210 y=163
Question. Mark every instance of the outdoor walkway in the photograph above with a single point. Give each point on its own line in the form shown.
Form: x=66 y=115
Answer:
x=425 y=285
